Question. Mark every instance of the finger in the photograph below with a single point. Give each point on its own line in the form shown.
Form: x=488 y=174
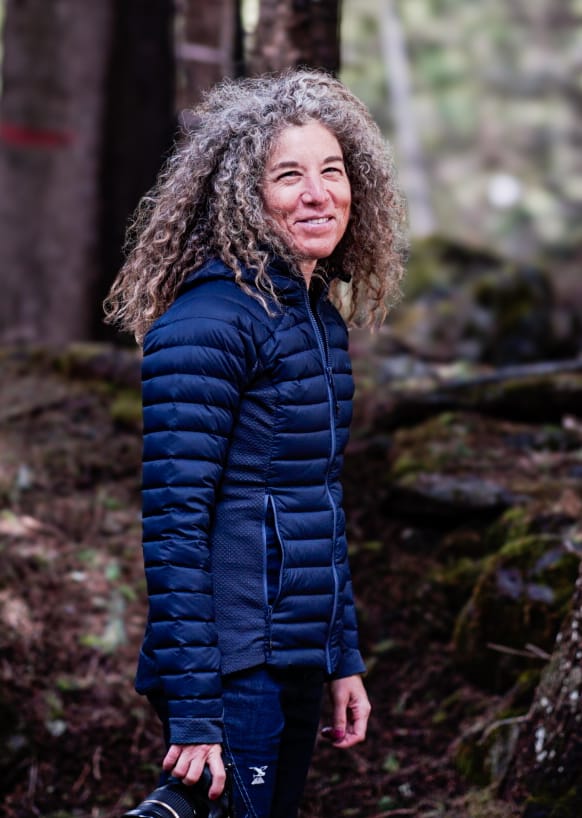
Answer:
x=357 y=725
x=171 y=757
x=358 y=722
x=190 y=768
x=354 y=734
x=182 y=760
x=218 y=772
x=331 y=734
x=339 y=719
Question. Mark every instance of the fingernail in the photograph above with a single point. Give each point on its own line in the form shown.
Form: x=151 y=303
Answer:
x=337 y=734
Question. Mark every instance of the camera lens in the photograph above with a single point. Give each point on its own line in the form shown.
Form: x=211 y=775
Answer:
x=170 y=801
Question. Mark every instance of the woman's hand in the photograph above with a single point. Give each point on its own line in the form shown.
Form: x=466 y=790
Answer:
x=351 y=710
x=186 y=761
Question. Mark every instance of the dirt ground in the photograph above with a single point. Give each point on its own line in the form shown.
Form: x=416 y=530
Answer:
x=78 y=740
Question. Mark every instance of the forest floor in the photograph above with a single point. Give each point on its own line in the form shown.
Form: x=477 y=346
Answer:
x=78 y=739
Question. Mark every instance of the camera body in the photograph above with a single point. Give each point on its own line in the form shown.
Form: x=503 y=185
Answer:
x=177 y=800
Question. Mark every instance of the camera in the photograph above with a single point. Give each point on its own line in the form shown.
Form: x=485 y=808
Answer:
x=177 y=800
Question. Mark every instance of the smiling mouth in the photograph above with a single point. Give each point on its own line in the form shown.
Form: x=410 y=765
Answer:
x=320 y=220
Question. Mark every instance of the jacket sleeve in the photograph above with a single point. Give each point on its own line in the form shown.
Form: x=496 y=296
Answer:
x=351 y=661
x=194 y=371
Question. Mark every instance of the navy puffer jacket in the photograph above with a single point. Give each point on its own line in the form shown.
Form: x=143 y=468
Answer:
x=246 y=417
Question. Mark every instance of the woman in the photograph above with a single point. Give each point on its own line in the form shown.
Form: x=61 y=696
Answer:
x=281 y=199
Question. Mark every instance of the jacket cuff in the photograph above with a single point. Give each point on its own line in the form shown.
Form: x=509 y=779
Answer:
x=350 y=664
x=195 y=731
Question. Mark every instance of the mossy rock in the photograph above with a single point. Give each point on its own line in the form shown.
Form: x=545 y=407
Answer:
x=126 y=409
x=456 y=580
x=432 y=469
x=519 y=301
x=98 y=362
x=453 y=496
x=431 y=446
x=438 y=262
x=520 y=598
x=463 y=301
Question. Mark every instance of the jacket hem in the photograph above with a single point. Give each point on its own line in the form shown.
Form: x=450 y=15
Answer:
x=251 y=658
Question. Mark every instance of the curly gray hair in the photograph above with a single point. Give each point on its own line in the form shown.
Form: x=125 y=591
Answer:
x=207 y=201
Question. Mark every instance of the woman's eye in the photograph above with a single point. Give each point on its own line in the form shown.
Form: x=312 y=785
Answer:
x=332 y=170
x=289 y=174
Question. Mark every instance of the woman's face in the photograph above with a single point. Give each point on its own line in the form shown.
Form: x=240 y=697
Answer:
x=307 y=193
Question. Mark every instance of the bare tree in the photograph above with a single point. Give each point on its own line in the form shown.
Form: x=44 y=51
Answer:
x=407 y=136
x=208 y=46
x=50 y=139
x=296 y=32
x=87 y=111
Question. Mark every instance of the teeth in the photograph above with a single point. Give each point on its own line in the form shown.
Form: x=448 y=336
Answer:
x=323 y=220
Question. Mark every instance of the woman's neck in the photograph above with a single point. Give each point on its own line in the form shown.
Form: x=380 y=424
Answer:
x=307 y=267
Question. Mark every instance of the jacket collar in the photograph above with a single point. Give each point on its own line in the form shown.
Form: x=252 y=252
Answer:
x=289 y=285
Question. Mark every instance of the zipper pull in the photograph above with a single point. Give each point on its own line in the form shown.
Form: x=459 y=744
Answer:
x=331 y=381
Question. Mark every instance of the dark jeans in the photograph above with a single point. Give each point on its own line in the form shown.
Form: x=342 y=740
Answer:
x=271 y=718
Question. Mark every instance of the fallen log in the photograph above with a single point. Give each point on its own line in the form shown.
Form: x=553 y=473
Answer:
x=541 y=392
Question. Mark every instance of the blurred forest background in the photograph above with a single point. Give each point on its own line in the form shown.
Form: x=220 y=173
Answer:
x=464 y=473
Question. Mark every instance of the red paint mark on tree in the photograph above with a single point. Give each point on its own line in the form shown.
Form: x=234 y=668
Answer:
x=34 y=137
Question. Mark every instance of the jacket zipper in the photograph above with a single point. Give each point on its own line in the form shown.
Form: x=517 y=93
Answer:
x=323 y=345
x=270 y=606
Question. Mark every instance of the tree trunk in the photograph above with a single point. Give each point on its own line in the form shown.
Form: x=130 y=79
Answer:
x=296 y=32
x=139 y=123
x=407 y=136
x=548 y=759
x=208 y=48
x=55 y=57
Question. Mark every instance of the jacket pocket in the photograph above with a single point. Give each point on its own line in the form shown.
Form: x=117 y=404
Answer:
x=274 y=554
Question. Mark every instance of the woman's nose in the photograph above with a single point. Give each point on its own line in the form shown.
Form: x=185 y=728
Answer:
x=314 y=190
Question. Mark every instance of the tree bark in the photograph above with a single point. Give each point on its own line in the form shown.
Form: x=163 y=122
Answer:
x=548 y=758
x=55 y=57
x=296 y=32
x=139 y=124
x=86 y=117
x=208 y=48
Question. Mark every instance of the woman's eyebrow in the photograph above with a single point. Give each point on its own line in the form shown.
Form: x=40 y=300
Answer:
x=291 y=163
x=288 y=163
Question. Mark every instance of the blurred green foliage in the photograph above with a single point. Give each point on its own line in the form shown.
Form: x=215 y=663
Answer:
x=496 y=94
